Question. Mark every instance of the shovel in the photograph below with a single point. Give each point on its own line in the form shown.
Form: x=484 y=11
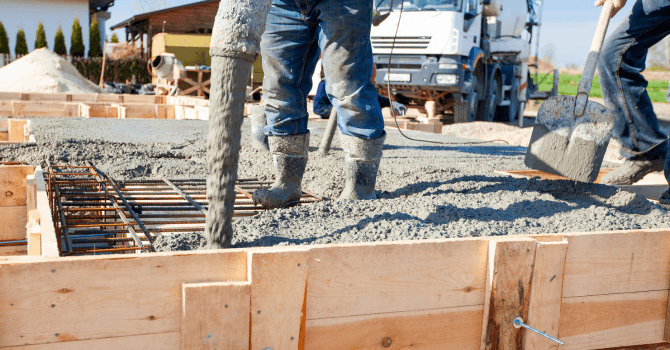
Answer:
x=571 y=134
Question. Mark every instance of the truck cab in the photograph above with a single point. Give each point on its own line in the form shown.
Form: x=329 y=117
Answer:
x=468 y=57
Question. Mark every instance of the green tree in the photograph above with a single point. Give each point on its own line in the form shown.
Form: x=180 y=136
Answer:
x=94 y=40
x=77 y=48
x=59 y=44
x=115 y=39
x=4 y=40
x=41 y=40
x=21 y=47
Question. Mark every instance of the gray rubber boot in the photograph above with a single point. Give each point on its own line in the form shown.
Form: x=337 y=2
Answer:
x=361 y=166
x=665 y=198
x=289 y=154
x=632 y=171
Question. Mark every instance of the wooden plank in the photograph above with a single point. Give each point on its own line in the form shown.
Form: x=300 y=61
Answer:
x=14 y=220
x=544 y=308
x=170 y=112
x=17 y=109
x=159 y=341
x=83 y=97
x=510 y=268
x=16 y=129
x=10 y=95
x=40 y=109
x=48 y=231
x=111 y=112
x=31 y=193
x=602 y=321
x=216 y=316
x=441 y=329
x=617 y=262
x=34 y=233
x=13 y=184
x=140 y=111
x=277 y=298
x=14 y=250
x=658 y=346
x=372 y=278
x=161 y=112
x=69 y=299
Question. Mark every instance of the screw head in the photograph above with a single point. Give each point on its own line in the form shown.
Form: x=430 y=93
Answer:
x=386 y=342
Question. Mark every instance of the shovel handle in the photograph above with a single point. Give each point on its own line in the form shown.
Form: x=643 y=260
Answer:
x=584 y=88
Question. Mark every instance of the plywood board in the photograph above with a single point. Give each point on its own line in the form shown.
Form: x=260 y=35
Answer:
x=140 y=111
x=14 y=220
x=509 y=273
x=278 y=292
x=16 y=129
x=441 y=329
x=14 y=250
x=544 y=309
x=603 y=321
x=216 y=316
x=47 y=230
x=81 y=298
x=363 y=279
x=13 y=184
x=621 y=262
x=159 y=341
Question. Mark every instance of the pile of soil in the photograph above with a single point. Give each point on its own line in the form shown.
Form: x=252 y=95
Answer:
x=43 y=71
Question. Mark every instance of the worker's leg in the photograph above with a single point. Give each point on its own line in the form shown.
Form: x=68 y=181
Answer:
x=344 y=37
x=624 y=89
x=290 y=52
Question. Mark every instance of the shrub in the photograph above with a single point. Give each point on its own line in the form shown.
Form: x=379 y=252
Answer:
x=115 y=39
x=94 y=40
x=59 y=44
x=4 y=40
x=21 y=47
x=116 y=71
x=41 y=40
x=77 y=48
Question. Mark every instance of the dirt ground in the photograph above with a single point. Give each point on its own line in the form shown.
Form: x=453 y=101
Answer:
x=425 y=190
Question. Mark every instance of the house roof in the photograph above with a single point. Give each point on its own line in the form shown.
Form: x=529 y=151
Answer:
x=149 y=14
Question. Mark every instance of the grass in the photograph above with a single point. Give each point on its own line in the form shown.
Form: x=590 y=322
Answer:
x=567 y=85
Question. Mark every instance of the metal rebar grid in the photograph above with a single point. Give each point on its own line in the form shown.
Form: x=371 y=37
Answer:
x=95 y=214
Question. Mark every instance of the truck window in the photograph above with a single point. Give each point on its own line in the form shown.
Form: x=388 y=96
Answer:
x=421 y=5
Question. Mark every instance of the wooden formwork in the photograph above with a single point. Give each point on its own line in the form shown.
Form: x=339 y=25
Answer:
x=591 y=290
x=103 y=106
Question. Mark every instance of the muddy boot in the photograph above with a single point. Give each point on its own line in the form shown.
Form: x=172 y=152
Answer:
x=632 y=171
x=665 y=198
x=361 y=165
x=289 y=154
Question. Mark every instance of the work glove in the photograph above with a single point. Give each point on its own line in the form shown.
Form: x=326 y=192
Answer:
x=616 y=5
x=399 y=108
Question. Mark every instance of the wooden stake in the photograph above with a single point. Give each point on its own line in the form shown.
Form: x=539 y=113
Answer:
x=104 y=61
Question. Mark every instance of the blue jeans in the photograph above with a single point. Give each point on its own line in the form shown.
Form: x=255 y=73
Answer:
x=625 y=89
x=295 y=33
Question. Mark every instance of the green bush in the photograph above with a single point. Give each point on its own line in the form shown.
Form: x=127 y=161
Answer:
x=94 y=40
x=59 y=44
x=116 y=71
x=115 y=39
x=41 y=40
x=21 y=47
x=4 y=40
x=77 y=48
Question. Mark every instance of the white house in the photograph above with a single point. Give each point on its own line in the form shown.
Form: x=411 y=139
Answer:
x=26 y=15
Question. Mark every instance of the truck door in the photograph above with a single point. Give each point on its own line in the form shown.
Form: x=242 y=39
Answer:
x=472 y=24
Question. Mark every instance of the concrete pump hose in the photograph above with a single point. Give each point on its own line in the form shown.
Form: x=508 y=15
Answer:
x=234 y=47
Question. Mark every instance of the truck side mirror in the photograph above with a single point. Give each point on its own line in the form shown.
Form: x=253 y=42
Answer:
x=486 y=2
x=469 y=15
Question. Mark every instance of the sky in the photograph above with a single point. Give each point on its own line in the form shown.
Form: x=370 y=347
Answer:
x=568 y=25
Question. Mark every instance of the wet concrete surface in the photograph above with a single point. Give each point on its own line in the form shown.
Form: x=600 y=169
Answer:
x=424 y=190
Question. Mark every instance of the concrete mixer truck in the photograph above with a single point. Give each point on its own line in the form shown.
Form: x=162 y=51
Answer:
x=469 y=57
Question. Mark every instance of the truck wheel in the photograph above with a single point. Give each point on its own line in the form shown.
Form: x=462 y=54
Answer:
x=464 y=111
x=489 y=106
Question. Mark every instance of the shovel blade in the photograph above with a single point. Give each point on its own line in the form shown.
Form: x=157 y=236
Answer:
x=567 y=145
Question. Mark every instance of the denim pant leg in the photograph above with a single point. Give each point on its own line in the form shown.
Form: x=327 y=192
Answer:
x=344 y=38
x=624 y=88
x=290 y=52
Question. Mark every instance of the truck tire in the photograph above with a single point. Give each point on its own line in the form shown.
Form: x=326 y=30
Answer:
x=464 y=111
x=487 y=109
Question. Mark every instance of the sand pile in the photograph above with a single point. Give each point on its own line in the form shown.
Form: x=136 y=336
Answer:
x=513 y=135
x=43 y=71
